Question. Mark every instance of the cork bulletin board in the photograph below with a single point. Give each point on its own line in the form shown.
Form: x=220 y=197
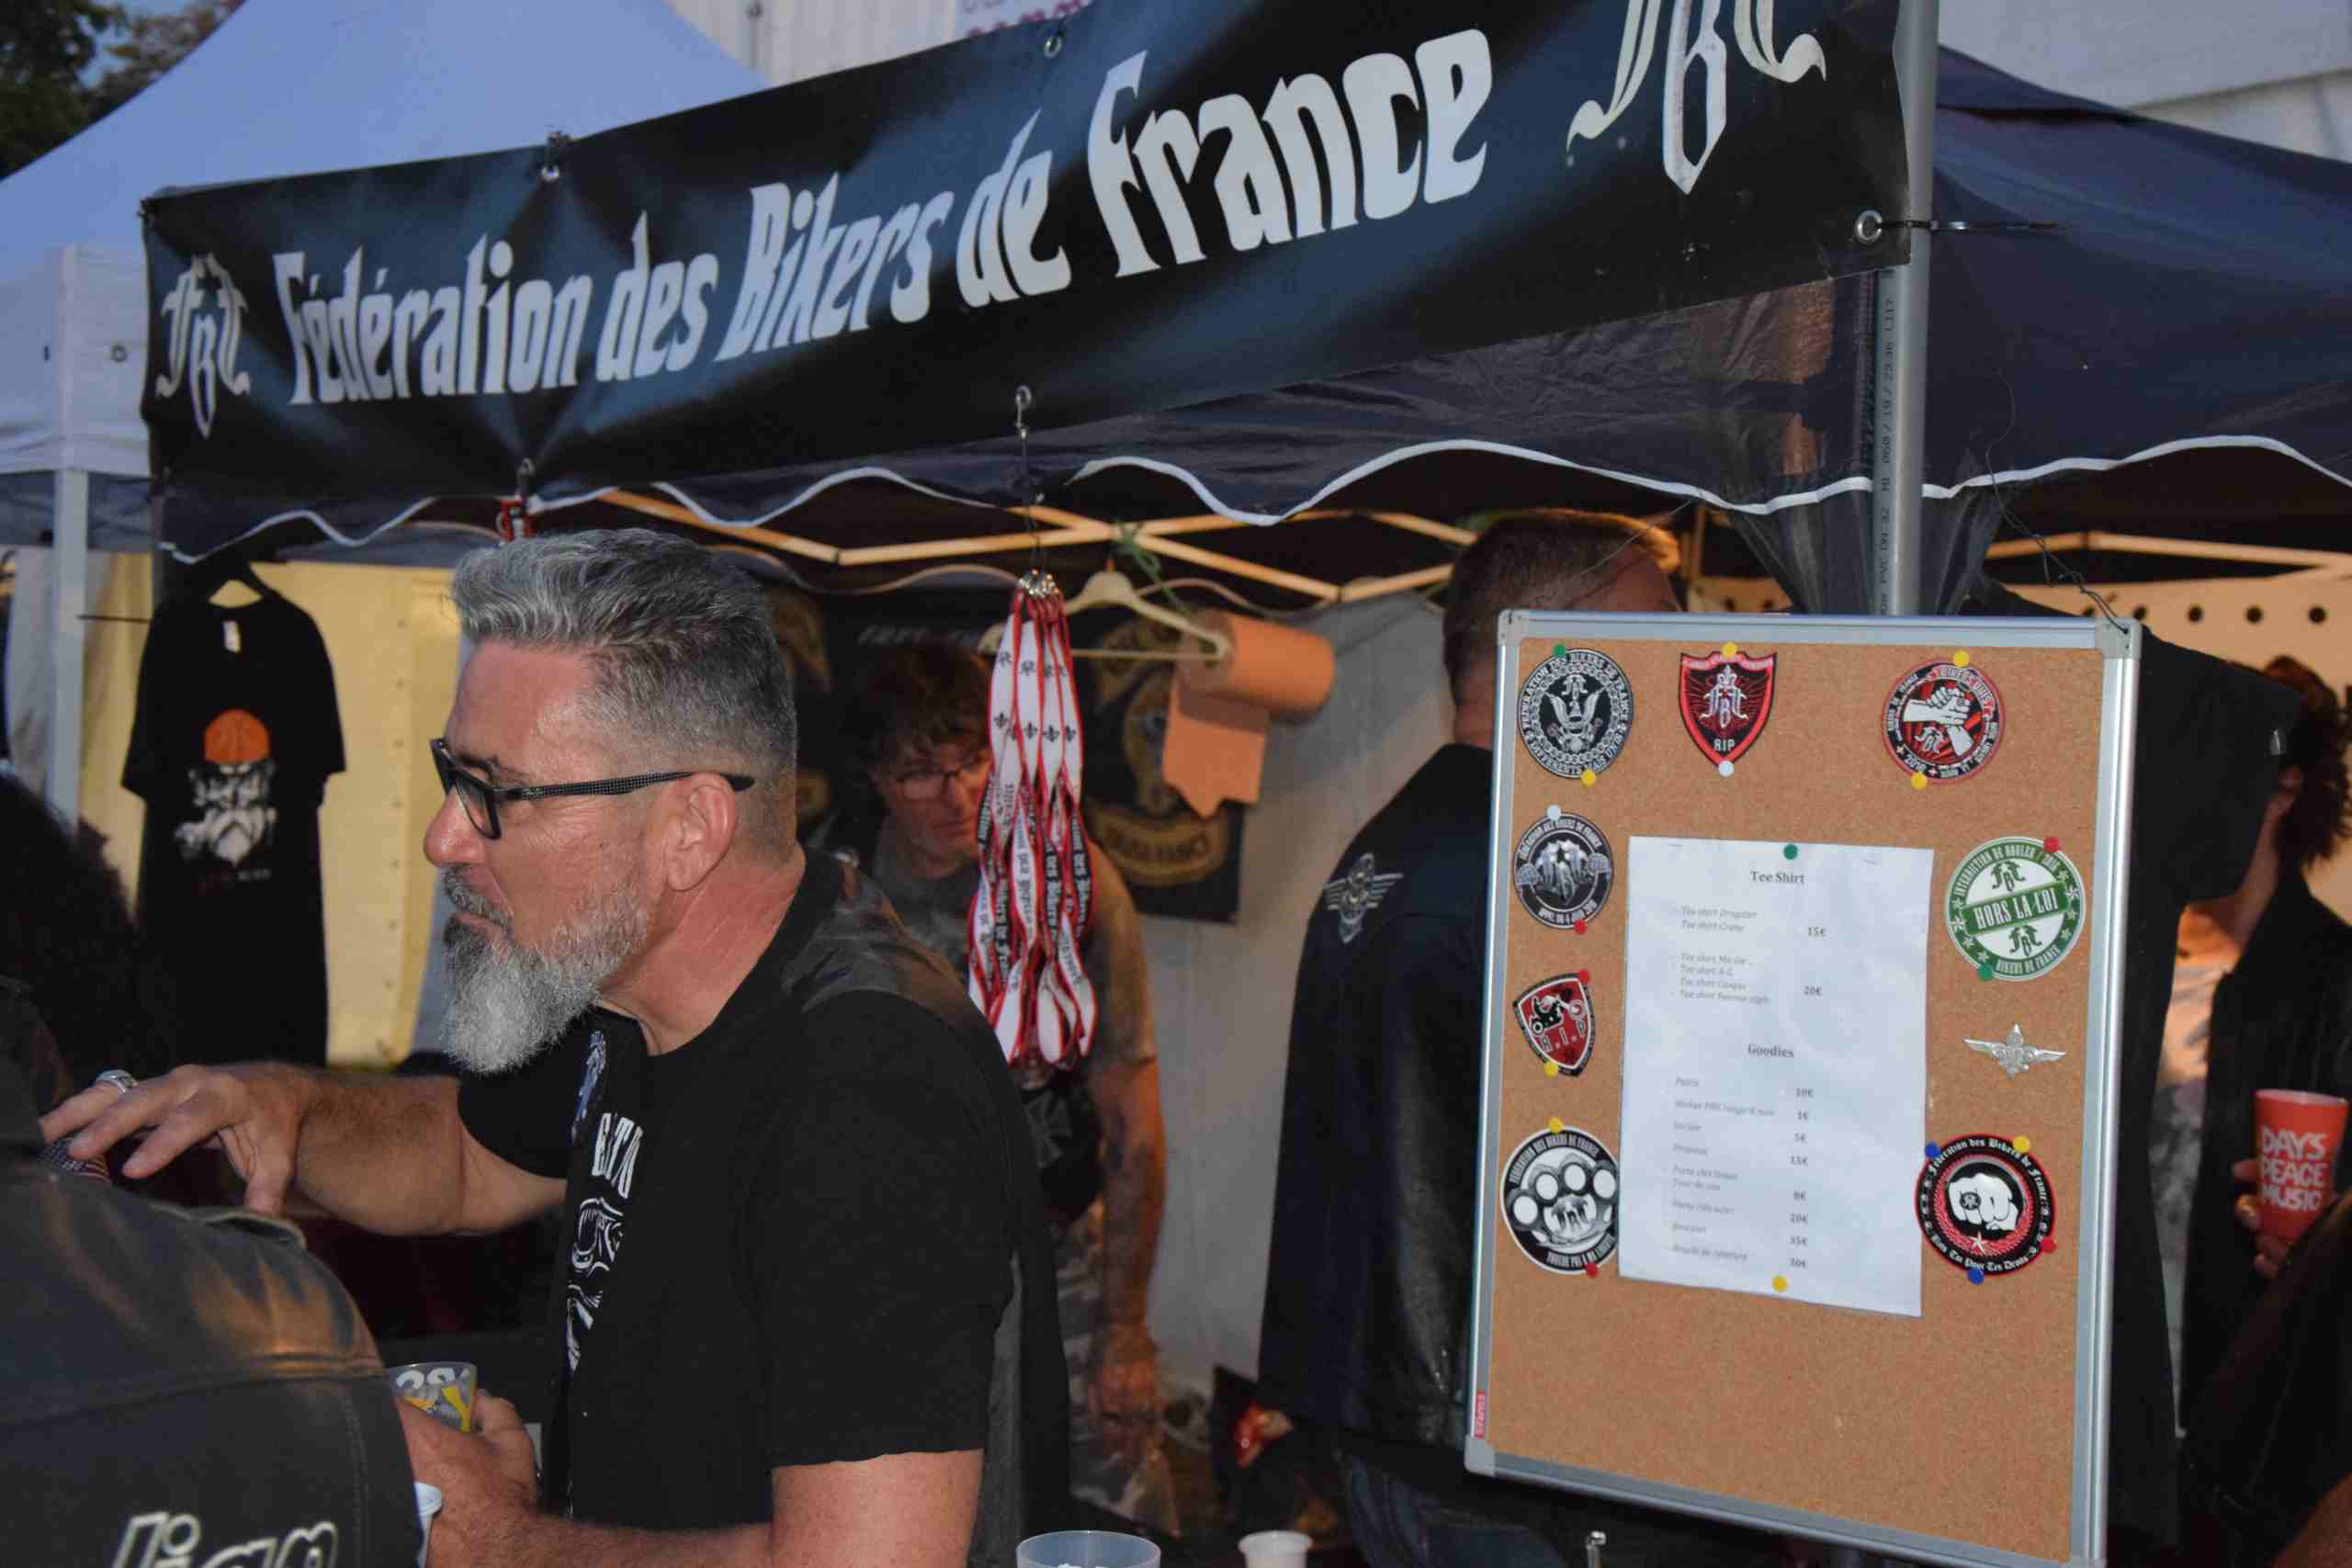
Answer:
x=1971 y=1431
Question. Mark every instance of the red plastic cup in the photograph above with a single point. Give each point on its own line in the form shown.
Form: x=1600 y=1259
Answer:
x=2296 y=1134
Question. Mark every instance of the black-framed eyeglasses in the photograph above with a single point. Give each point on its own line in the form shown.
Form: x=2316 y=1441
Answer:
x=480 y=797
x=929 y=783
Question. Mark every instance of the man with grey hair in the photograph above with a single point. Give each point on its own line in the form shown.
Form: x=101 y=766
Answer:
x=807 y=1311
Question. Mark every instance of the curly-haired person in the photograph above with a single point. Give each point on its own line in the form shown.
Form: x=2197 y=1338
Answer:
x=2262 y=998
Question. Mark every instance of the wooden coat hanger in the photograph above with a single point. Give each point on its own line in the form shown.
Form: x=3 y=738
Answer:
x=1110 y=590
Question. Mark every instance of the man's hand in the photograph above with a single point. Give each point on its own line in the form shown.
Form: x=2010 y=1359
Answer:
x=2269 y=1251
x=253 y=1113
x=1124 y=1394
x=489 y=1480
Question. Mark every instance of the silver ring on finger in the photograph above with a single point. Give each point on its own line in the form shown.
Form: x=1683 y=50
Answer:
x=120 y=1078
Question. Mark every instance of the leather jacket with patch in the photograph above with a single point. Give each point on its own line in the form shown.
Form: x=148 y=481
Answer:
x=2282 y=1018
x=1366 y=1324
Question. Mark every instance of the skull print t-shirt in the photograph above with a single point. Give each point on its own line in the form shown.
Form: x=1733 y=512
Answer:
x=236 y=734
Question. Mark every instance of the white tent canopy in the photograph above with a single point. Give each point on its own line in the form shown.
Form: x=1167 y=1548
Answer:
x=284 y=87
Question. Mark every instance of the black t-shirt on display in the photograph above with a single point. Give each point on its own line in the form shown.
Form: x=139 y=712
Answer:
x=236 y=734
x=803 y=1237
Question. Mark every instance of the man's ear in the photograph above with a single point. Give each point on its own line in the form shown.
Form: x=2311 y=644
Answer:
x=2283 y=799
x=698 y=829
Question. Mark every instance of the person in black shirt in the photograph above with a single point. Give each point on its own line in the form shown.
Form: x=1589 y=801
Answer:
x=806 y=1313
x=1366 y=1330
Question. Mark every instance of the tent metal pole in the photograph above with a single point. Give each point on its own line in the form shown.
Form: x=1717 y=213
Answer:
x=69 y=573
x=1897 y=466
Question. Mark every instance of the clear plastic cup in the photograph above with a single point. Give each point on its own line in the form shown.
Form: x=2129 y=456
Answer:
x=1276 y=1549
x=1086 y=1549
x=443 y=1390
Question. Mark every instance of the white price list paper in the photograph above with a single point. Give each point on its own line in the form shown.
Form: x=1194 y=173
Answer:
x=1775 y=1068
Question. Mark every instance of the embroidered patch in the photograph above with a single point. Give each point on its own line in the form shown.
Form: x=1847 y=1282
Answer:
x=1563 y=869
x=1726 y=700
x=1560 y=1201
x=1943 y=721
x=1985 y=1205
x=1575 y=710
x=1556 y=1018
x=1358 y=894
x=2014 y=908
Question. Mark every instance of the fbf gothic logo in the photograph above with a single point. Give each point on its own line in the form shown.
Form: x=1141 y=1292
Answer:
x=204 y=324
x=1560 y=1201
x=1563 y=870
x=1574 y=712
x=1556 y=1018
x=1985 y=1205
x=1726 y=697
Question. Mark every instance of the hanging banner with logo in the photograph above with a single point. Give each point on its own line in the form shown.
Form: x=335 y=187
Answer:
x=1131 y=208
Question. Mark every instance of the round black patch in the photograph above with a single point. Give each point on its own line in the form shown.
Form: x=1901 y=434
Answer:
x=1985 y=1205
x=1563 y=869
x=1560 y=1201
x=1574 y=712
x=1943 y=721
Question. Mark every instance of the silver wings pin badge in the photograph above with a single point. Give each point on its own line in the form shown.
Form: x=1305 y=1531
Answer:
x=1358 y=894
x=2012 y=1055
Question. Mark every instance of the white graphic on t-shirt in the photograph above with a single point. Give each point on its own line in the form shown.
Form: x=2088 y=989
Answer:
x=162 y=1540
x=590 y=1077
x=1358 y=894
x=596 y=1227
x=234 y=815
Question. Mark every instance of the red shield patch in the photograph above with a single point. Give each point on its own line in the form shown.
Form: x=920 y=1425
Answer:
x=1556 y=1018
x=1726 y=700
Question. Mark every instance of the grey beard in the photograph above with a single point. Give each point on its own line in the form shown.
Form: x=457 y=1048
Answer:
x=508 y=1004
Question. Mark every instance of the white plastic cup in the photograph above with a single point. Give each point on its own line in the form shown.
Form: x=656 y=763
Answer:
x=428 y=1503
x=1276 y=1549
x=1087 y=1549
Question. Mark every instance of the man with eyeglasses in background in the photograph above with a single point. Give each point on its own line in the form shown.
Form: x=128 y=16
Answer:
x=917 y=727
x=806 y=1315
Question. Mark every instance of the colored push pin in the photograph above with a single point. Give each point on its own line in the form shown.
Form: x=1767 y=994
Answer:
x=1918 y=781
x=1984 y=971
x=2049 y=1243
x=1551 y=814
x=1934 y=1150
x=2023 y=1145
x=1551 y=1069
x=1592 y=1270
x=1780 y=1281
x=2051 y=845
x=1724 y=767
x=1589 y=778
x=1731 y=650
x=1578 y=928
x=1788 y=851
x=1559 y=650
x=1558 y=1125
x=1975 y=1275
x=1961 y=658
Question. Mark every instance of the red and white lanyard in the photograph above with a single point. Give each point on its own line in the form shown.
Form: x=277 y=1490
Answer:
x=1035 y=898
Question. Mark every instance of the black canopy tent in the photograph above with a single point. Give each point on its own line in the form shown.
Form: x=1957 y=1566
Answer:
x=2185 y=303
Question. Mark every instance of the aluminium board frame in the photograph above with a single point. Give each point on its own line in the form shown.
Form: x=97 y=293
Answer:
x=2118 y=644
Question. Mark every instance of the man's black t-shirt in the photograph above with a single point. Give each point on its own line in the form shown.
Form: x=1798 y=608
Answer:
x=794 y=1239
x=235 y=738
